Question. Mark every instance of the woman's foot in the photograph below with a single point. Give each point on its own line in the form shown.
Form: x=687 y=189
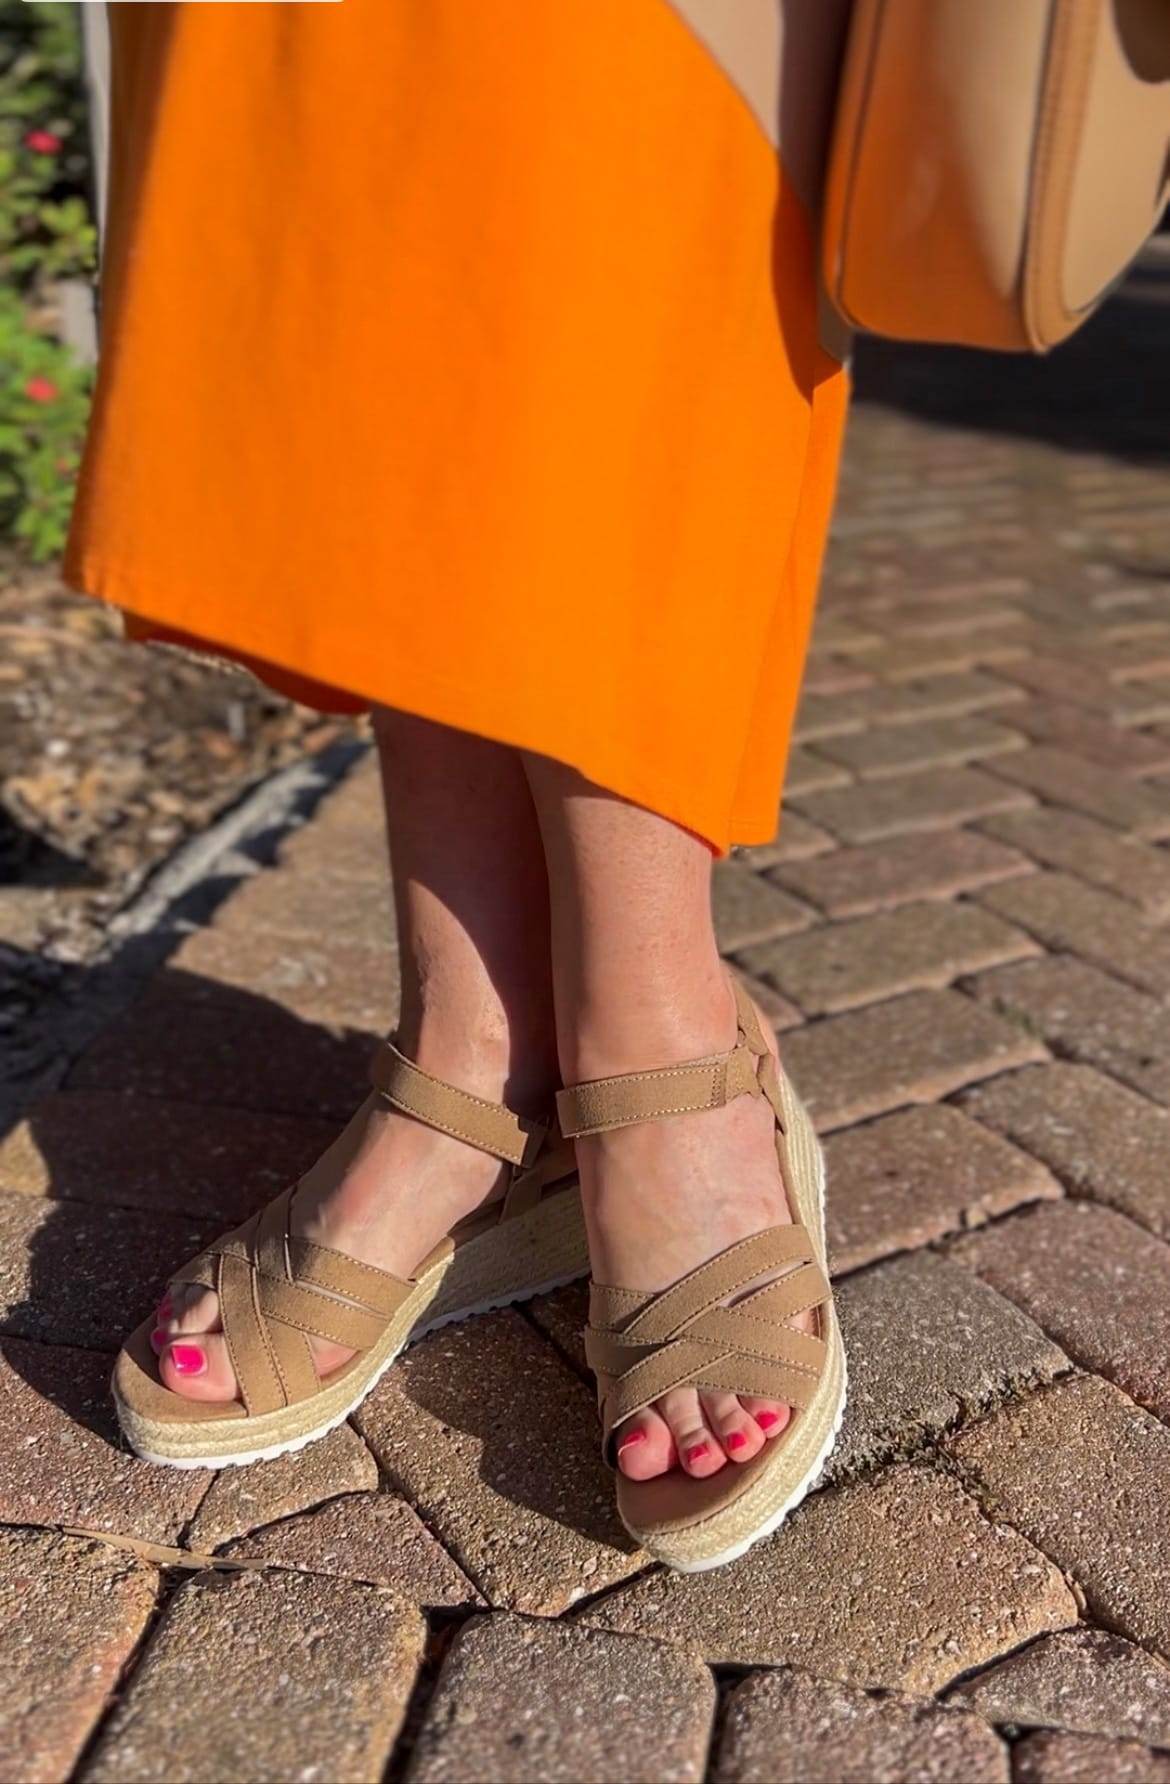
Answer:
x=385 y=1192
x=471 y=895
x=660 y=1199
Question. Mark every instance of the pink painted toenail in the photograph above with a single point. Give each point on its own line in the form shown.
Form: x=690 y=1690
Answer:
x=187 y=1359
x=696 y=1454
x=165 y=1308
x=735 y=1440
x=767 y=1419
x=630 y=1437
x=160 y=1338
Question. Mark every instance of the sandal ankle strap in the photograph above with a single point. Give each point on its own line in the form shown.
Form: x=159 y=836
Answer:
x=748 y=1069
x=492 y=1127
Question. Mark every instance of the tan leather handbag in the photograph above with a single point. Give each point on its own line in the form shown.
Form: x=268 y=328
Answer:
x=994 y=165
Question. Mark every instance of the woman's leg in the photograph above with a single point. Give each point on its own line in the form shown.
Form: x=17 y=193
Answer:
x=639 y=984
x=472 y=901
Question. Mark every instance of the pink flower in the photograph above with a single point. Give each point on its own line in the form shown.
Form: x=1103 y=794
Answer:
x=41 y=390
x=42 y=142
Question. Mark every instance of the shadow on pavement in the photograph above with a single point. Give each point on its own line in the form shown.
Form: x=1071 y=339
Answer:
x=26 y=859
x=191 y=1109
x=187 y=1112
x=1107 y=390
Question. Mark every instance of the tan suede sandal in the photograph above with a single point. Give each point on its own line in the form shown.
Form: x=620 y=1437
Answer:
x=725 y=1325
x=276 y=1290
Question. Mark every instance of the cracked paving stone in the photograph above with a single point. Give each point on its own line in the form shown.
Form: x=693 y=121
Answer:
x=1100 y=1139
x=278 y=1678
x=923 y=1353
x=561 y=1703
x=1096 y=1282
x=373 y=1537
x=494 y=1439
x=898 y=1582
x=84 y=1276
x=1082 y=1681
x=912 y=1177
x=1087 y=1016
x=1082 y=1472
x=62 y=1461
x=240 y=1500
x=71 y=1612
x=1070 y=916
x=787 y=1728
x=564 y=1314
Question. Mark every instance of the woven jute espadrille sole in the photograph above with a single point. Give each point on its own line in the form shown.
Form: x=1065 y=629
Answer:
x=798 y=1465
x=519 y=1258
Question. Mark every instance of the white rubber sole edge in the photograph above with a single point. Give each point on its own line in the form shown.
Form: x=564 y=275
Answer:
x=291 y=1444
x=773 y=1523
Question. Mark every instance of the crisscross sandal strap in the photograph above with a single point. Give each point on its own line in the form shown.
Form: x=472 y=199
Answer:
x=490 y=1126
x=606 y=1103
x=706 y=1332
x=277 y=1291
x=677 y=1366
x=722 y=1277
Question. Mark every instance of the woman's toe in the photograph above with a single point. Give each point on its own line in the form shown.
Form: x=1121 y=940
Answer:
x=736 y=1430
x=198 y=1311
x=198 y=1367
x=770 y=1415
x=645 y=1446
x=699 y=1451
x=187 y=1307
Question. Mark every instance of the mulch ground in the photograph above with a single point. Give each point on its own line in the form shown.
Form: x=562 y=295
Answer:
x=111 y=757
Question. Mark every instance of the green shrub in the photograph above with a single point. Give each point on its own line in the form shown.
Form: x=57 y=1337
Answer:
x=46 y=236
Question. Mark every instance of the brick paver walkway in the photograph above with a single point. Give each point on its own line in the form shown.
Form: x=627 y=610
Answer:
x=963 y=933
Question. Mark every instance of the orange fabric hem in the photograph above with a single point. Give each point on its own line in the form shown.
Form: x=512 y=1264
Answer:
x=461 y=706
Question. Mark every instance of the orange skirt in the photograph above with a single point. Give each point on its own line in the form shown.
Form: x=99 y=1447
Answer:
x=462 y=356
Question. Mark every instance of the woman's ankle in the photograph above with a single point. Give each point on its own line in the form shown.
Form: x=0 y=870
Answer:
x=650 y=1027
x=486 y=1057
